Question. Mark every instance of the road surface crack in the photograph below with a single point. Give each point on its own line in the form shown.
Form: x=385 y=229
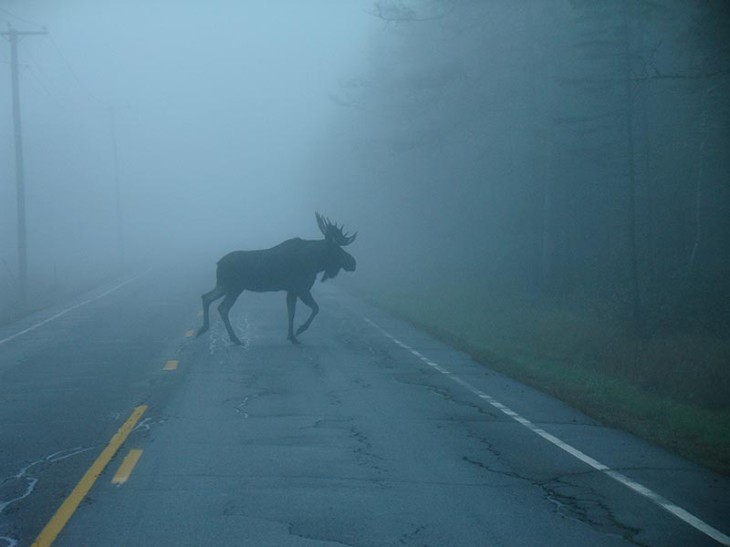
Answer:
x=572 y=501
x=295 y=531
x=447 y=395
x=582 y=503
x=408 y=538
x=20 y=485
x=363 y=451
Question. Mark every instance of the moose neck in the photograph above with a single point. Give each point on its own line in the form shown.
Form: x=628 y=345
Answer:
x=329 y=260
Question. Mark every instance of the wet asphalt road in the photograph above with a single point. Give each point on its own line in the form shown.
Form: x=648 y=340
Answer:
x=368 y=433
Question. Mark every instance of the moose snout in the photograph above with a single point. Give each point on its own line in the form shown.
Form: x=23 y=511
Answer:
x=350 y=265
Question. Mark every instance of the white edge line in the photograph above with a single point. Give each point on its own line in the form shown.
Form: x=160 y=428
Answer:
x=75 y=306
x=639 y=488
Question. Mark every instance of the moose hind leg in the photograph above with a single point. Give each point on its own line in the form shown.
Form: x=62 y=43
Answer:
x=291 y=308
x=223 y=309
x=208 y=298
x=309 y=301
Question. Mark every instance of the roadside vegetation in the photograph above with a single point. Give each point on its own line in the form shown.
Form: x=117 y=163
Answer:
x=672 y=389
x=552 y=197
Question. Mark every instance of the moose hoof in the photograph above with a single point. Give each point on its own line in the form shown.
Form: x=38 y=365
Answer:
x=237 y=341
x=293 y=340
x=202 y=330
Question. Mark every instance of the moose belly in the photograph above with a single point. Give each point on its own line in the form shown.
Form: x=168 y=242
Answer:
x=263 y=271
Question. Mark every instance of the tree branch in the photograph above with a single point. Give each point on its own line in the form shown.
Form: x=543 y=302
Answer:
x=398 y=13
x=679 y=76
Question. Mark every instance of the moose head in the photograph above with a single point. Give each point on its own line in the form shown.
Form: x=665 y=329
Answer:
x=336 y=238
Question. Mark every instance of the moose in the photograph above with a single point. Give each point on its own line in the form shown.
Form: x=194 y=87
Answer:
x=291 y=266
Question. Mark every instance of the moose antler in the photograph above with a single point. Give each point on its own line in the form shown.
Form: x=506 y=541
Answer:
x=334 y=233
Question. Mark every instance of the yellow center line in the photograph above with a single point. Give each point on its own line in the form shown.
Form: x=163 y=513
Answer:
x=170 y=365
x=71 y=503
x=125 y=470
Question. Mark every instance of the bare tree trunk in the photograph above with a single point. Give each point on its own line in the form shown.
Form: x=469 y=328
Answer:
x=700 y=177
x=646 y=177
x=546 y=241
x=639 y=323
x=543 y=94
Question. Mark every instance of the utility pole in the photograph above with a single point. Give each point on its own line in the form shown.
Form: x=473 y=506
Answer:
x=117 y=188
x=13 y=37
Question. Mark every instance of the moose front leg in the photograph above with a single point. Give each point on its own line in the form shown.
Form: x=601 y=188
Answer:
x=208 y=298
x=291 y=306
x=223 y=309
x=309 y=301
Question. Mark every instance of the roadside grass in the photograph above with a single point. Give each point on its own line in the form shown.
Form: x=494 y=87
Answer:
x=673 y=390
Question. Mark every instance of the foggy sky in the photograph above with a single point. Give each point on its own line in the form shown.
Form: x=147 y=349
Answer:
x=488 y=139
x=221 y=106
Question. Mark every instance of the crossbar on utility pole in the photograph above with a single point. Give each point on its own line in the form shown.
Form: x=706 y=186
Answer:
x=13 y=36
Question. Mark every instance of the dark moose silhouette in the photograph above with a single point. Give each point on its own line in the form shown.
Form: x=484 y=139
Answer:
x=291 y=266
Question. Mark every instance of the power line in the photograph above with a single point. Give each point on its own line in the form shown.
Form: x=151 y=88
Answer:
x=46 y=82
x=19 y=18
x=81 y=85
x=40 y=74
x=64 y=97
x=36 y=74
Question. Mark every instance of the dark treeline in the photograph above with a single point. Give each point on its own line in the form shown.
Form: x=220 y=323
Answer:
x=547 y=182
x=568 y=148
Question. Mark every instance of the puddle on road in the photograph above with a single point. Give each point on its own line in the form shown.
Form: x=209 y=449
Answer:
x=218 y=340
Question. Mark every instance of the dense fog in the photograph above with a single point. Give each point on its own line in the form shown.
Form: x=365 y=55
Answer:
x=219 y=110
x=572 y=149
